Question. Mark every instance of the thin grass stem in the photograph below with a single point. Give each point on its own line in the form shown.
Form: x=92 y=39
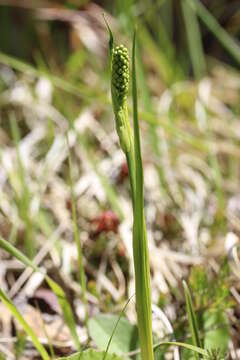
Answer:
x=81 y=273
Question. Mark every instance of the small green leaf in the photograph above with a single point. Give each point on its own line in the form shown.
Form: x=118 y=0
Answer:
x=124 y=339
x=91 y=354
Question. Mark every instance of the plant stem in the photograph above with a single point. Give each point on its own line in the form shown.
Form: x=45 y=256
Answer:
x=140 y=246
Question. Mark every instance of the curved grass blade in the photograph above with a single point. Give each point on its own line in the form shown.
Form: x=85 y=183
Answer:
x=11 y=307
x=63 y=302
x=196 y=349
x=190 y=347
x=192 y=318
x=140 y=246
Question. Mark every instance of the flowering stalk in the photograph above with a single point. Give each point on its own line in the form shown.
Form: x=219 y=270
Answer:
x=119 y=90
x=131 y=146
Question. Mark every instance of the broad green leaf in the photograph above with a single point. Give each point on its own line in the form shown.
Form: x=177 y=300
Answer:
x=216 y=330
x=91 y=354
x=124 y=338
x=17 y=315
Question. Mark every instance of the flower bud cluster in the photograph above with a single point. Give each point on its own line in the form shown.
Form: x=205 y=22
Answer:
x=120 y=71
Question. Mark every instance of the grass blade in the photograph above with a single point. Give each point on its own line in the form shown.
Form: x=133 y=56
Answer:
x=190 y=347
x=11 y=307
x=194 y=40
x=63 y=302
x=115 y=327
x=107 y=186
x=140 y=247
x=24 y=196
x=196 y=349
x=164 y=69
x=79 y=91
x=81 y=273
x=111 y=40
x=192 y=318
x=223 y=37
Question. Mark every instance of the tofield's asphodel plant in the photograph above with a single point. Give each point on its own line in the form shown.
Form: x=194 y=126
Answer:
x=120 y=78
x=130 y=144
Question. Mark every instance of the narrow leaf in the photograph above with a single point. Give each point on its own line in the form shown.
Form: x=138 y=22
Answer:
x=111 y=41
x=91 y=354
x=115 y=328
x=11 y=307
x=223 y=37
x=191 y=317
x=63 y=302
x=140 y=246
x=196 y=349
x=82 y=278
x=194 y=39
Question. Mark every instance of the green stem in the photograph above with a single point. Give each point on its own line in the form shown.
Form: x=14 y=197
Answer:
x=131 y=170
x=140 y=244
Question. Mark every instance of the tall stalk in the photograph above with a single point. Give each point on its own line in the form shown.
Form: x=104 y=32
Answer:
x=130 y=144
x=140 y=243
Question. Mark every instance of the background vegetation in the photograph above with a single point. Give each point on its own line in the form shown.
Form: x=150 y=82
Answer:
x=66 y=204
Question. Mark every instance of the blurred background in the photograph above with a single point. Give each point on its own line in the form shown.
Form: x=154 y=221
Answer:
x=55 y=79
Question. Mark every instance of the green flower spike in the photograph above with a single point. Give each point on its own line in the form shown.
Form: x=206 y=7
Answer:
x=119 y=88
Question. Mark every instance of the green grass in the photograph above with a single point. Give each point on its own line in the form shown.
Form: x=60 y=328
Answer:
x=22 y=194
x=81 y=273
x=17 y=315
x=166 y=55
x=223 y=37
x=192 y=320
x=63 y=302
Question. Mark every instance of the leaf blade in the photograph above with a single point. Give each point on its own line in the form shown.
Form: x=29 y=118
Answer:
x=192 y=318
x=12 y=308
